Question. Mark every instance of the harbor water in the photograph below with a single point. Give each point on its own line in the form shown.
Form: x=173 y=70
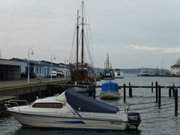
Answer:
x=155 y=121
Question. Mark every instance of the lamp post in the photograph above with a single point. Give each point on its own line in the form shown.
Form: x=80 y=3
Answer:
x=30 y=52
x=51 y=58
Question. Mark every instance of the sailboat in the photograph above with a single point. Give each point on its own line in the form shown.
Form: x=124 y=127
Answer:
x=81 y=72
x=108 y=72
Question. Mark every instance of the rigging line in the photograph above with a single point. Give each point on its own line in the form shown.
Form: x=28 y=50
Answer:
x=91 y=37
x=71 y=51
x=88 y=50
x=85 y=22
x=87 y=43
x=88 y=47
x=86 y=33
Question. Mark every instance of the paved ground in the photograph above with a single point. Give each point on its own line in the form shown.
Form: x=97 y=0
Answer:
x=5 y=84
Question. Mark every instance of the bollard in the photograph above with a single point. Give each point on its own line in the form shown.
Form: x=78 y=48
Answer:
x=156 y=85
x=152 y=84
x=176 y=102
x=124 y=88
x=159 y=96
x=130 y=90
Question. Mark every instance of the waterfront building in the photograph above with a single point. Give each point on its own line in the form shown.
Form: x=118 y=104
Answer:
x=41 y=69
x=65 y=70
x=23 y=65
x=9 y=70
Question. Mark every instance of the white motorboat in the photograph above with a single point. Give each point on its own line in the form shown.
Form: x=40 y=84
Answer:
x=108 y=74
x=71 y=110
x=118 y=74
x=109 y=95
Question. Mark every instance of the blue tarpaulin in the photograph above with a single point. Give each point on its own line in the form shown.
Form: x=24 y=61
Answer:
x=110 y=86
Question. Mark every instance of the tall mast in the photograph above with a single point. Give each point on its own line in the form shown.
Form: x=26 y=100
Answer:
x=107 y=62
x=82 y=36
x=77 y=40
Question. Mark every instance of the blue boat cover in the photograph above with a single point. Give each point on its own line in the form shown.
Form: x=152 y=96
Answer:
x=110 y=86
x=83 y=103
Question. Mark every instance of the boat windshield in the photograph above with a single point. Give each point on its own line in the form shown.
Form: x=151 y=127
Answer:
x=47 y=105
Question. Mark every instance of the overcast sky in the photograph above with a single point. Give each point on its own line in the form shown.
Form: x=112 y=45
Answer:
x=135 y=33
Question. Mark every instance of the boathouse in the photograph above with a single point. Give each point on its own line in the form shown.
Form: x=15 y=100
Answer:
x=37 y=69
x=9 y=70
x=41 y=69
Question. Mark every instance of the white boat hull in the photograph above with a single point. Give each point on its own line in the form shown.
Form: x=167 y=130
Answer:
x=118 y=75
x=40 y=121
x=109 y=95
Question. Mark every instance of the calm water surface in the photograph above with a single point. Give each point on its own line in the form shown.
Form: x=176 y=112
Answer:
x=154 y=121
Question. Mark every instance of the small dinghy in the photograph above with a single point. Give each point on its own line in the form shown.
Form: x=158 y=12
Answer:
x=109 y=91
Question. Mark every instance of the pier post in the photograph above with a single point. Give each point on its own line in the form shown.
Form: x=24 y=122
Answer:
x=173 y=89
x=91 y=90
x=156 y=85
x=169 y=91
x=152 y=84
x=176 y=102
x=94 y=91
x=159 y=96
x=130 y=90
x=124 y=92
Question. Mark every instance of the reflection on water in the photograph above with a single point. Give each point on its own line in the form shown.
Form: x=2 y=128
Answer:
x=30 y=131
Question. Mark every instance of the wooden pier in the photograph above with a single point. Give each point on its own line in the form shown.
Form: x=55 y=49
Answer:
x=172 y=92
x=12 y=90
x=15 y=88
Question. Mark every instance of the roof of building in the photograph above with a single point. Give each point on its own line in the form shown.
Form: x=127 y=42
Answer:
x=8 y=62
x=18 y=59
x=49 y=63
x=36 y=62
